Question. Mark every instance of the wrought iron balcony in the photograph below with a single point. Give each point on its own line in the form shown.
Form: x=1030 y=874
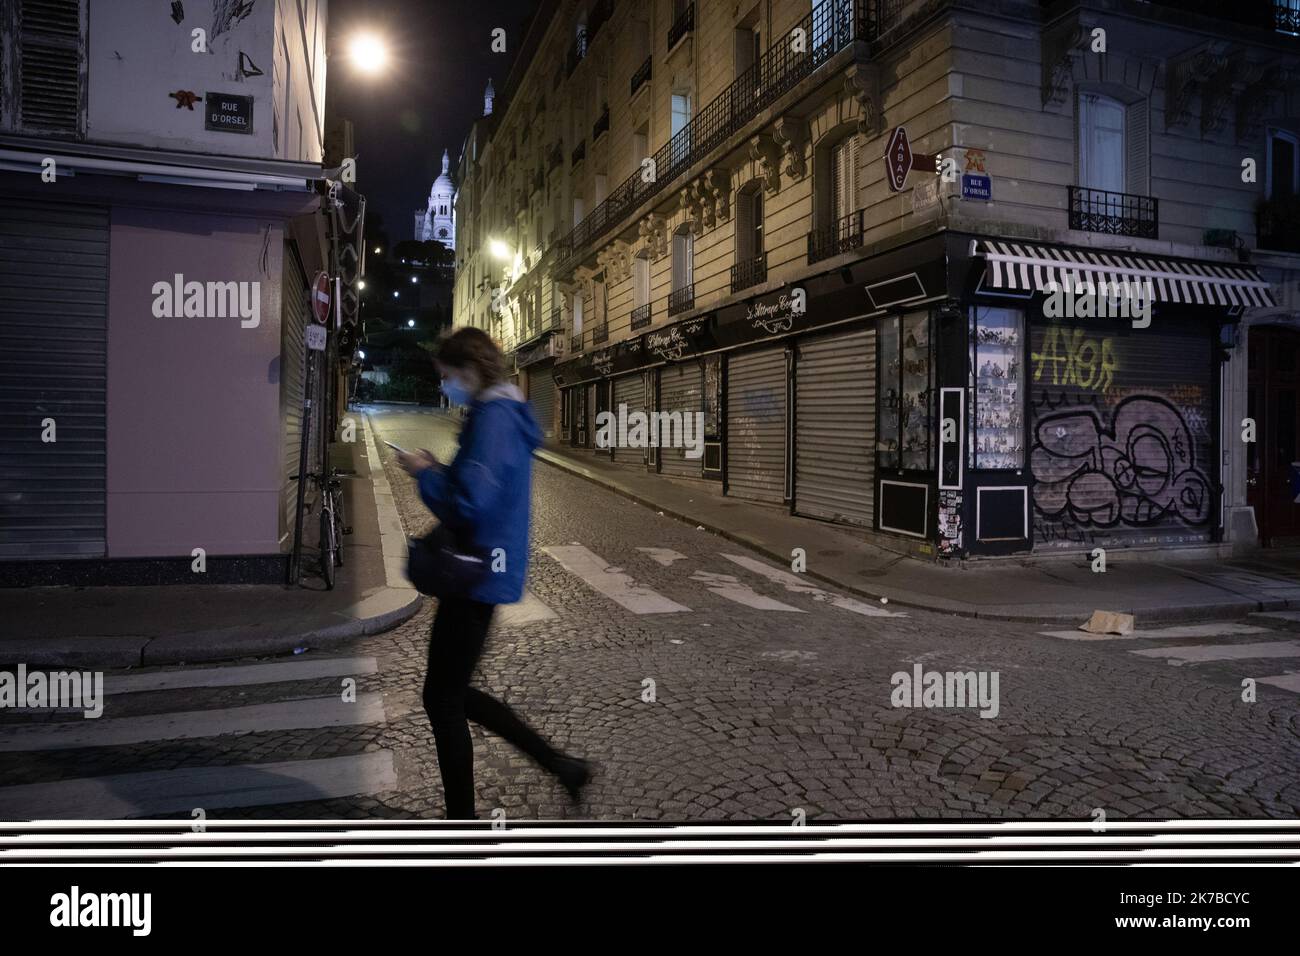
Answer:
x=641 y=75
x=843 y=235
x=683 y=25
x=576 y=53
x=579 y=152
x=833 y=26
x=1286 y=16
x=749 y=272
x=557 y=319
x=681 y=300
x=1114 y=214
x=601 y=125
x=600 y=333
x=575 y=343
x=1280 y=15
x=640 y=317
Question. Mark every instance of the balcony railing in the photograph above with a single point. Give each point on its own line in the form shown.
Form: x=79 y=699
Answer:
x=640 y=317
x=641 y=75
x=681 y=300
x=600 y=333
x=843 y=235
x=557 y=319
x=601 y=125
x=575 y=343
x=1115 y=214
x=576 y=53
x=683 y=25
x=1286 y=16
x=1278 y=224
x=833 y=26
x=749 y=272
x=1281 y=15
x=579 y=152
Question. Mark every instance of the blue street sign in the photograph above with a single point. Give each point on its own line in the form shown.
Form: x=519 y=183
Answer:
x=976 y=187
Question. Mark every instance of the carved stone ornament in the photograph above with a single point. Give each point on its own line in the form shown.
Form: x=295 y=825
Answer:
x=717 y=191
x=862 y=83
x=653 y=231
x=791 y=134
x=1186 y=76
x=767 y=156
x=692 y=213
x=1062 y=44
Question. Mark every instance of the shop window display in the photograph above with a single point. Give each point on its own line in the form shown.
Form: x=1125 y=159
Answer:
x=905 y=393
x=998 y=372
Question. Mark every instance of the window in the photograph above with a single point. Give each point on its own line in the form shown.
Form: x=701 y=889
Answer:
x=905 y=392
x=680 y=149
x=1282 y=179
x=844 y=178
x=749 y=223
x=578 y=210
x=749 y=49
x=641 y=281
x=683 y=259
x=640 y=147
x=996 y=368
x=1113 y=144
x=577 y=313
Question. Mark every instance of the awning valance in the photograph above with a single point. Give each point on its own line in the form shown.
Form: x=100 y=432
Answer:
x=1027 y=267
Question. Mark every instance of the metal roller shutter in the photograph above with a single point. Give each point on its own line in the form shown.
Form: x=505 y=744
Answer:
x=1122 y=441
x=53 y=366
x=541 y=394
x=835 y=430
x=293 y=379
x=629 y=390
x=681 y=389
x=756 y=425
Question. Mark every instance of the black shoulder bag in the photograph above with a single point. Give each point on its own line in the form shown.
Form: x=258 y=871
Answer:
x=445 y=563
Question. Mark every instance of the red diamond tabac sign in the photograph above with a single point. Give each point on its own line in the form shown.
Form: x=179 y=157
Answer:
x=898 y=159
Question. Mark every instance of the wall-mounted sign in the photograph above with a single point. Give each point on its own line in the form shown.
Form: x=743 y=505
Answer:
x=228 y=113
x=772 y=314
x=976 y=187
x=316 y=336
x=898 y=159
x=320 y=297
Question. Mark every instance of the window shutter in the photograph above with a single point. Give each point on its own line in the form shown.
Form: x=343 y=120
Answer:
x=49 y=78
x=1137 y=147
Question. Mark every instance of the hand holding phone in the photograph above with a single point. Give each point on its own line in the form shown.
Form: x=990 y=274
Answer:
x=397 y=448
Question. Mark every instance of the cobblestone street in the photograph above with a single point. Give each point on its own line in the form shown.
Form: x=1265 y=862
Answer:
x=770 y=695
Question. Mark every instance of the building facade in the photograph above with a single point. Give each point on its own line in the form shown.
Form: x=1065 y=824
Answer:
x=162 y=210
x=975 y=278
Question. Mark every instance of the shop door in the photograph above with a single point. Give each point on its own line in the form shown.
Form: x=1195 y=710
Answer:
x=53 y=380
x=681 y=390
x=1273 y=459
x=756 y=425
x=835 y=427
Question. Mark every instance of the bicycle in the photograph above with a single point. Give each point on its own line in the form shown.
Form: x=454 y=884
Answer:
x=332 y=526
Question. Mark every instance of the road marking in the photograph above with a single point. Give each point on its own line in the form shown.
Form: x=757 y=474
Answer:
x=1200 y=653
x=1290 y=681
x=792 y=582
x=1180 y=631
x=188 y=725
x=733 y=589
x=527 y=610
x=596 y=573
x=665 y=556
x=156 y=792
x=269 y=673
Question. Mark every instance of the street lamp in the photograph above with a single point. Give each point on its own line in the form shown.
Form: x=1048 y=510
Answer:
x=499 y=249
x=410 y=323
x=368 y=53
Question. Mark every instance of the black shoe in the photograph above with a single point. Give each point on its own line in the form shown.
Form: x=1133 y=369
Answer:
x=573 y=773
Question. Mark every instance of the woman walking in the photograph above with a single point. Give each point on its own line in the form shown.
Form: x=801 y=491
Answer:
x=485 y=494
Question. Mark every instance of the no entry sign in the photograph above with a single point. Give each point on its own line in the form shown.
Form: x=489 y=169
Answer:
x=898 y=159
x=320 y=298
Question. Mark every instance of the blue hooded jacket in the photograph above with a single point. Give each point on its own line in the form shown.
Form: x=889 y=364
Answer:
x=487 y=488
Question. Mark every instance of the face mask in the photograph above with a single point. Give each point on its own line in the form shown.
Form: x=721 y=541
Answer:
x=456 y=393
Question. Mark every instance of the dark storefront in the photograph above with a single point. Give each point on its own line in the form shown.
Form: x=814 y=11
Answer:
x=927 y=394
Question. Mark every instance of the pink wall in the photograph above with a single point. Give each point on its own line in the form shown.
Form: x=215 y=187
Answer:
x=194 y=434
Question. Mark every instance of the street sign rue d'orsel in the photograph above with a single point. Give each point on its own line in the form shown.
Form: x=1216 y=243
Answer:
x=898 y=159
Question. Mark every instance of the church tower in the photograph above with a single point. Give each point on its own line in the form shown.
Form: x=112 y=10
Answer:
x=488 y=95
x=440 y=215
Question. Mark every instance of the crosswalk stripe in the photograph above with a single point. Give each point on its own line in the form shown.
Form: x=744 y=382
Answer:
x=664 y=556
x=527 y=610
x=187 y=725
x=118 y=796
x=269 y=673
x=792 y=582
x=733 y=589
x=1289 y=681
x=1200 y=653
x=597 y=574
x=1180 y=631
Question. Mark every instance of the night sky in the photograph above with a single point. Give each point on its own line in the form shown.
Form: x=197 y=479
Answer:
x=433 y=89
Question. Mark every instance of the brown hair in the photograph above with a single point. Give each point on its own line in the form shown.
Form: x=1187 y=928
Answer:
x=468 y=347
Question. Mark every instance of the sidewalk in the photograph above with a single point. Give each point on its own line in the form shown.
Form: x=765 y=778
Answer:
x=1153 y=589
x=131 y=626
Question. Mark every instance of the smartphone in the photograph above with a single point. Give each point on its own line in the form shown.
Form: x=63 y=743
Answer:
x=395 y=447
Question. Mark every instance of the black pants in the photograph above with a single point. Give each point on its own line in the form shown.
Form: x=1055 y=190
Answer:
x=459 y=631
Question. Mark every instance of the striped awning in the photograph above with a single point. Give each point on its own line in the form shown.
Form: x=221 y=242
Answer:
x=1026 y=267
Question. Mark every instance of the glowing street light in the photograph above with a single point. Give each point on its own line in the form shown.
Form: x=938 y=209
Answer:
x=499 y=249
x=368 y=53
x=410 y=323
